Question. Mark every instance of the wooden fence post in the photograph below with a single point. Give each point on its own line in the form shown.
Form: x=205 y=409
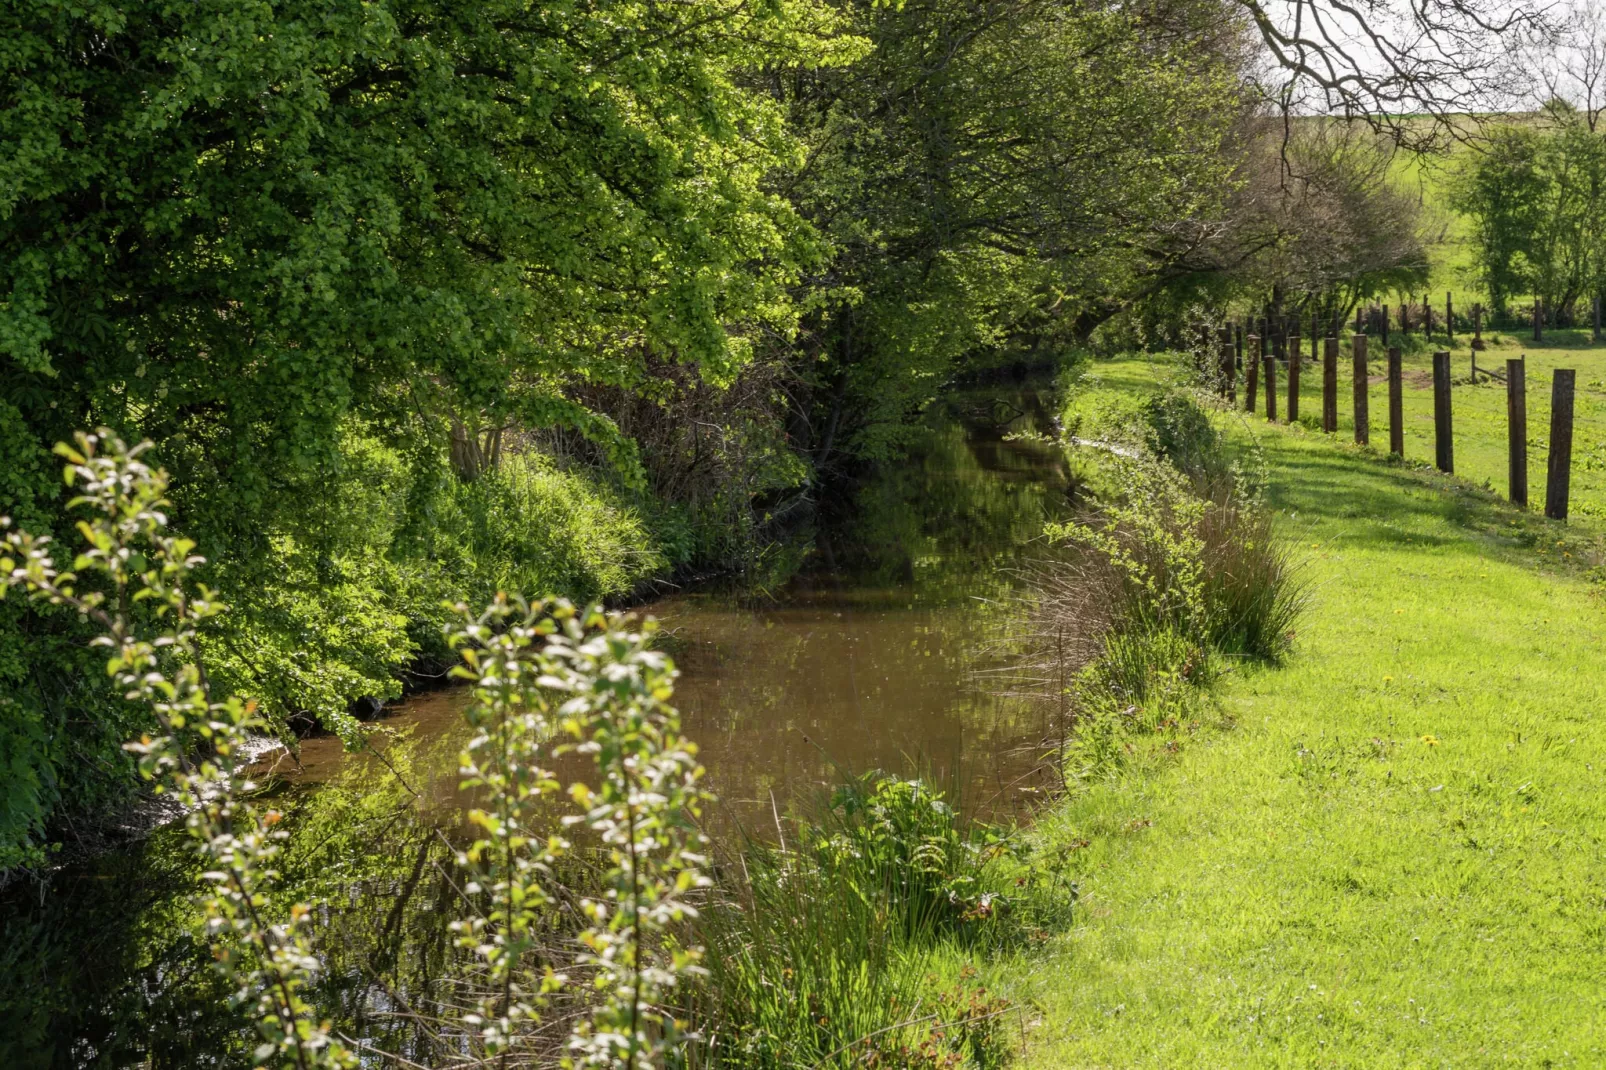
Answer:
x=1363 y=420
x=1558 y=473
x=1595 y=336
x=1330 y=387
x=1517 y=430
x=1443 y=447
x=1238 y=342
x=1383 y=321
x=1477 y=327
x=1270 y=372
x=1251 y=371
x=1294 y=360
x=1449 y=317
x=1229 y=371
x=1539 y=319
x=1396 y=404
x=1405 y=319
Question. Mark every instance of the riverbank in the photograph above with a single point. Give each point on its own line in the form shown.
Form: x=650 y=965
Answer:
x=865 y=658
x=1389 y=854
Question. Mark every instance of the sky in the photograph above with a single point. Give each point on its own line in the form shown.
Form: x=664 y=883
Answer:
x=1443 y=46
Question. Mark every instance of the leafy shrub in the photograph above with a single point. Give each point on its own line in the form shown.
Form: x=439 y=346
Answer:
x=1178 y=568
x=339 y=609
x=1168 y=555
x=132 y=562
x=533 y=526
x=331 y=607
x=886 y=836
x=821 y=954
x=1178 y=429
x=538 y=672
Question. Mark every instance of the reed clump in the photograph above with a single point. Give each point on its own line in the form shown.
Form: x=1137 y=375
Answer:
x=835 y=948
x=1172 y=575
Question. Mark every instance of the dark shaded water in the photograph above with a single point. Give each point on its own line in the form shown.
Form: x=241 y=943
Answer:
x=866 y=658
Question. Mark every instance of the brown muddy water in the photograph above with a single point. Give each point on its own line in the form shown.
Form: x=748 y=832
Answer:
x=868 y=648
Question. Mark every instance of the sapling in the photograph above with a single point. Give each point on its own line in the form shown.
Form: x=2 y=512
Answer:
x=135 y=580
x=546 y=678
x=549 y=678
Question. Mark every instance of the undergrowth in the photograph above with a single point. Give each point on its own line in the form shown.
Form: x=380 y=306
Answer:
x=848 y=943
x=1171 y=576
x=837 y=947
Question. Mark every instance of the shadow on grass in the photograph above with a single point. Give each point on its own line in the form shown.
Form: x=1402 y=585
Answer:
x=1386 y=503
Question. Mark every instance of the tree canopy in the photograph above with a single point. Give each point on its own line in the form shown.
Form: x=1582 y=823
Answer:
x=423 y=299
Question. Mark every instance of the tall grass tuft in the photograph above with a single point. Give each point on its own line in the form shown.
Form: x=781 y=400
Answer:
x=1176 y=571
x=822 y=951
x=1253 y=586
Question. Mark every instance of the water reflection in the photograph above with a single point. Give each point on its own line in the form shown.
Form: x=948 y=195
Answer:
x=866 y=658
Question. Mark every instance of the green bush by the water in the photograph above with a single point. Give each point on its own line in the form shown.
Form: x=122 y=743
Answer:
x=844 y=947
x=1173 y=574
x=332 y=610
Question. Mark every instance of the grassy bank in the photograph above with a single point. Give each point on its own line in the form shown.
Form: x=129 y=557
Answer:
x=1390 y=852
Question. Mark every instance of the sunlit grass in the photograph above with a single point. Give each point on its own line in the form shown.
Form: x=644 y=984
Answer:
x=1479 y=412
x=1393 y=856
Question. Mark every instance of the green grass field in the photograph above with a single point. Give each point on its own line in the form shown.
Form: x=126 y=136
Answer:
x=1390 y=851
x=1452 y=263
x=1479 y=411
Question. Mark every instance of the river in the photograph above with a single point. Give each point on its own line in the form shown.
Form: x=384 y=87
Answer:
x=873 y=654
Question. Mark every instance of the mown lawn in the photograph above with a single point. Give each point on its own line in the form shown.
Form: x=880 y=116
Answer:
x=1390 y=852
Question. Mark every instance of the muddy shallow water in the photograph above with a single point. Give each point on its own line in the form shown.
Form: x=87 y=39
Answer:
x=873 y=654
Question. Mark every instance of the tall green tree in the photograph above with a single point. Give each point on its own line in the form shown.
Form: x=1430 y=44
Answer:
x=996 y=177
x=260 y=232
x=1536 y=193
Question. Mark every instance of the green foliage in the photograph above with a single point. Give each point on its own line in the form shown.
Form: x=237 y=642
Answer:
x=321 y=253
x=424 y=299
x=1254 y=580
x=146 y=581
x=328 y=612
x=545 y=671
x=1177 y=568
x=899 y=839
x=534 y=526
x=1177 y=428
x=825 y=954
x=1183 y=547
x=536 y=673
x=995 y=182
x=1536 y=195
x=1151 y=543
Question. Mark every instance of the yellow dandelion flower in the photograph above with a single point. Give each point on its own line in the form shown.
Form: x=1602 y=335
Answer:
x=1431 y=740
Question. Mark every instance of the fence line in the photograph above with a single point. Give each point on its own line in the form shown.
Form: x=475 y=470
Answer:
x=1259 y=351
